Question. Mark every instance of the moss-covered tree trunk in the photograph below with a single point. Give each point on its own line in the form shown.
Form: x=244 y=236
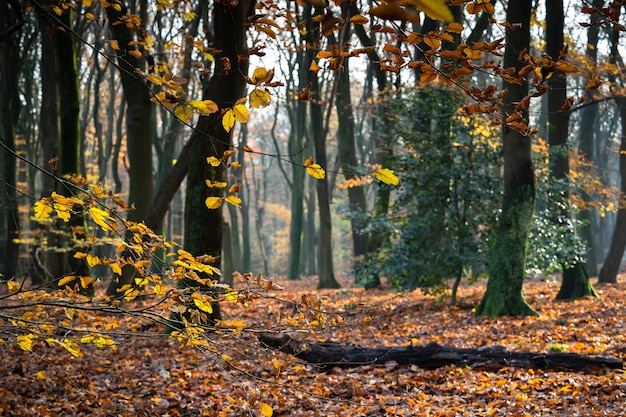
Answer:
x=203 y=226
x=507 y=257
x=575 y=282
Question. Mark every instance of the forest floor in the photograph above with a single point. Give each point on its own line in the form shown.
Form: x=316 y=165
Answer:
x=153 y=375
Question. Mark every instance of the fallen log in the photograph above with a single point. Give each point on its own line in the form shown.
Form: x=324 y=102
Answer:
x=327 y=355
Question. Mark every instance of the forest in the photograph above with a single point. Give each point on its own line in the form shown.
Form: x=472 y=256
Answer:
x=311 y=207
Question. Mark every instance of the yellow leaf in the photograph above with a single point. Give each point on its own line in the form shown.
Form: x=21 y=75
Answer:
x=57 y=10
x=235 y=188
x=113 y=44
x=213 y=202
x=240 y=111
x=246 y=148
x=92 y=260
x=259 y=74
x=184 y=113
x=260 y=98
x=155 y=79
x=227 y=358
x=116 y=268
x=85 y=281
x=265 y=409
x=25 y=342
x=42 y=209
x=41 y=375
x=204 y=107
x=435 y=9
x=66 y=280
x=13 y=286
x=189 y=16
x=215 y=184
x=206 y=307
x=100 y=217
x=316 y=171
x=213 y=161
x=233 y=200
x=87 y=3
x=72 y=348
x=228 y=120
x=386 y=175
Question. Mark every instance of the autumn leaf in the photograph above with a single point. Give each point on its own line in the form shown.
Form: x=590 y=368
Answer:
x=259 y=98
x=103 y=219
x=435 y=9
x=66 y=280
x=265 y=409
x=386 y=175
x=359 y=19
x=184 y=113
x=204 y=107
x=240 y=112
x=213 y=202
x=201 y=304
x=314 y=67
x=213 y=161
x=228 y=120
x=314 y=170
x=233 y=200
x=42 y=208
x=25 y=342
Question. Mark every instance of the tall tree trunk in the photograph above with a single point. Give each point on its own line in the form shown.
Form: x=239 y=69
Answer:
x=587 y=138
x=325 y=266
x=203 y=226
x=610 y=268
x=346 y=143
x=575 y=283
x=9 y=115
x=507 y=257
x=382 y=153
x=138 y=113
x=138 y=126
x=296 y=145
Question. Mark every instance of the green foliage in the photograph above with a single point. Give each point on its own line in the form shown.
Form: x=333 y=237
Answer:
x=449 y=193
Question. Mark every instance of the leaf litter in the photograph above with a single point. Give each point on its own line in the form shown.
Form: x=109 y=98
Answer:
x=152 y=374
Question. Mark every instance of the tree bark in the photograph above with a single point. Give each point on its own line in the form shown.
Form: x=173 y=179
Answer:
x=327 y=355
x=587 y=138
x=575 y=282
x=325 y=267
x=507 y=257
x=610 y=268
x=203 y=226
x=9 y=116
x=346 y=144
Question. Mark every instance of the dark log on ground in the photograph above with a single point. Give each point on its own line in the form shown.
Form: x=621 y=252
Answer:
x=329 y=354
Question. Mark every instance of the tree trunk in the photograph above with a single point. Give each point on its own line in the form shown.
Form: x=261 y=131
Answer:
x=346 y=144
x=325 y=253
x=575 y=282
x=296 y=145
x=507 y=257
x=433 y=355
x=9 y=116
x=203 y=226
x=610 y=268
x=587 y=139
